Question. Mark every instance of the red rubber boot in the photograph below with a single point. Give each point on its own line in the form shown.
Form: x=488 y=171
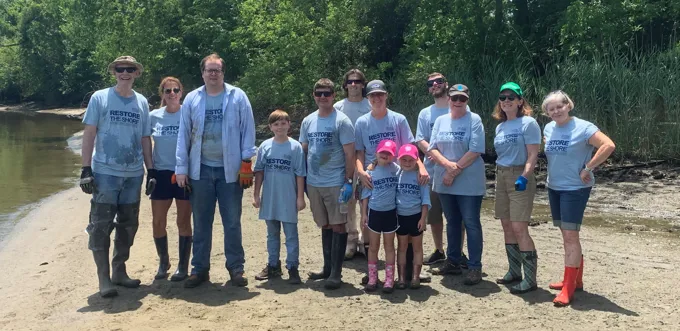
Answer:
x=568 y=288
x=579 y=280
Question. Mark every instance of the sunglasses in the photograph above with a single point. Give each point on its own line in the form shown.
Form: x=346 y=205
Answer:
x=508 y=97
x=176 y=90
x=130 y=70
x=439 y=81
x=354 y=81
x=459 y=97
x=320 y=94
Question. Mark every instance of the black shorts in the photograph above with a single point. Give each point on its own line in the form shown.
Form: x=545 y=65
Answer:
x=165 y=190
x=408 y=225
x=383 y=221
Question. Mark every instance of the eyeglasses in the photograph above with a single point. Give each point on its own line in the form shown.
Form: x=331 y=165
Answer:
x=176 y=90
x=439 y=81
x=129 y=70
x=459 y=97
x=213 y=71
x=509 y=97
x=320 y=94
x=354 y=81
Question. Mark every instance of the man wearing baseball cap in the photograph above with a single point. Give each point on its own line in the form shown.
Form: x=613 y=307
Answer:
x=116 y=145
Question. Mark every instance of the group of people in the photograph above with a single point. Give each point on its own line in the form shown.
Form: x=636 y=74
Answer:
x=355 y=151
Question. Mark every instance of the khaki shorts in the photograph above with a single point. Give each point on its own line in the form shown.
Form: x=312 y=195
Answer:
x=510 y=204
x=434 y=215
x=323 y=201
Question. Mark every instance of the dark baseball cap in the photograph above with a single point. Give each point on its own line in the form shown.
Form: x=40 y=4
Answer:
x=375 y=86
x=459 y=89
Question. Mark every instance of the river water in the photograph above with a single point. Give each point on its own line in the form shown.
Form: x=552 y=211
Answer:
x=35 y=162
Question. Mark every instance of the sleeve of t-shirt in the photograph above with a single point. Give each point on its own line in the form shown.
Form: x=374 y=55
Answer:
x=425 y=195
x=346 y=131
x=477 y=140
x=358 y=141
x=532 y=134
x=146 y=122
x=422 y=128
x=365 y=193
x=433 y=135
x=405 y=132
x=299 y=164
x=92 y=113
x=590 y=130
x=303 y=131
x=259 y=162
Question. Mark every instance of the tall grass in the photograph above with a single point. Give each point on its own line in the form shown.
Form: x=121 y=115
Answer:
x=634 y=99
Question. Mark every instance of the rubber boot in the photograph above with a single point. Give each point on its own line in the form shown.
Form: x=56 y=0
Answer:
x=106 y=288
x=409 y=262
x=184 y=257
x=569 y=285
x=372 y=283
x=514 y=273
x=334 y=281
x=415 y=282
x=126 y=228
x=389 y=279
x=162 y=250
x=401 y=278
x=529 y=261
x=579 y=280
x=326 y=244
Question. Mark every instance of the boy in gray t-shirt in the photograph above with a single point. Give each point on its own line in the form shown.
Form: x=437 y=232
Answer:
x=280 y=165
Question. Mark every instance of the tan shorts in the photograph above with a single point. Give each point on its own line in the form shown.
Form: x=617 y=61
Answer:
x=511 y=204
x=434 y=215
x=323 y=201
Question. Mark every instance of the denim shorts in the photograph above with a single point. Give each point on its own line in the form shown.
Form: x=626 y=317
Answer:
x=165 y=189
x=567 y=207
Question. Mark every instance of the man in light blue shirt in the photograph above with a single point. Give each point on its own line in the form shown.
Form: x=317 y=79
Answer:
x=117 y=132
x=354 y=106
x=214 y=149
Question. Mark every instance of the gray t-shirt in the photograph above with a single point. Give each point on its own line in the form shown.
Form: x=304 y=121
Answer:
x=453 y=138
x=511 y=140
x=325 y=137
x=426 y=119
x=164 y=130
x=383 y=196
x=370 y=131
x=568 y=151
x=282 y=163
x=353 y=110
x=211 y=150
x=121 y=123
x=411 y=196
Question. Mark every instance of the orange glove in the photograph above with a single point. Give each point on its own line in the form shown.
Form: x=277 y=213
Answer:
x=173 y=179
x=246 y=174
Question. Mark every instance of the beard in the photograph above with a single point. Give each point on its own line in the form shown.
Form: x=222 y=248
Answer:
x=440 y=92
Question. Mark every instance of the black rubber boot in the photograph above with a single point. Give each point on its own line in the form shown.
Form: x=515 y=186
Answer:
x=334 y=281
x=184 y=257
x=106 y=288
x=326 y=243
x=162 y=250
x=126 y=229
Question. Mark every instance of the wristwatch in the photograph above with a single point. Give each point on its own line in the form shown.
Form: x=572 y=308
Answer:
x=585 y=167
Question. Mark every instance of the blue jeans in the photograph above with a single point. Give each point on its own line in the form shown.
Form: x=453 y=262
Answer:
x=466 y=209
x=212 y=188
x=274 y=243
x=567 y=207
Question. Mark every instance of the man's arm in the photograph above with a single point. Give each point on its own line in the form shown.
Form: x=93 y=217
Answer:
x=89 y=135
x=349 y=160
x=146 y=151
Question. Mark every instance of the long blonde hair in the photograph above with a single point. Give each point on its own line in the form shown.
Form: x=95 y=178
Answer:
x=162 y=86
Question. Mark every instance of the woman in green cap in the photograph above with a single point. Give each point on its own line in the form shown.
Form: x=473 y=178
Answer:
x=517 y=141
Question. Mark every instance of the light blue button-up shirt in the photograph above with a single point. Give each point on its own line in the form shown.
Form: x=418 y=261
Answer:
x=238 y=132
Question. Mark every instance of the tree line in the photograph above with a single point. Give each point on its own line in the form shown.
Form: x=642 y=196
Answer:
x=619 y=59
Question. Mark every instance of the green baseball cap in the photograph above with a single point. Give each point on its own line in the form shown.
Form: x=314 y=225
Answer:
x=512 y=86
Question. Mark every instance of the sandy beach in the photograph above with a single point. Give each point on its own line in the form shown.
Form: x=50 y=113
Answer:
x=50 y=284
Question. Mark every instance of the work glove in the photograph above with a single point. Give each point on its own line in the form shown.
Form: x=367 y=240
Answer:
x=521 y=183
x=150 y=181
x=245 y=175
x=346 y=192
x=87 y=180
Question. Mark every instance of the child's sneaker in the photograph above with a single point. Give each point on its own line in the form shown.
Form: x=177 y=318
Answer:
x=270 y=272
x=294 y=276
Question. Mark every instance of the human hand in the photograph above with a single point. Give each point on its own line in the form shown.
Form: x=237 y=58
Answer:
x=346 y=192
x=521 y=183
x=301 y=204
x=448 y=178
x=256 y=201
x=586 y=176
x=87 y=180
x=422 y=226
x=150 y=181
x=423 y=176
x=366 y=179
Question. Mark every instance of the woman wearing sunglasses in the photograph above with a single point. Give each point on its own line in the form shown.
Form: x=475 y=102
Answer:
x=569 y=145
x=164 y=129
x=456 y=145
x=517 y=140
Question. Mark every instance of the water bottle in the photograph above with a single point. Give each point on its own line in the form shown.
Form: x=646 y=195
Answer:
x=342 y=202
